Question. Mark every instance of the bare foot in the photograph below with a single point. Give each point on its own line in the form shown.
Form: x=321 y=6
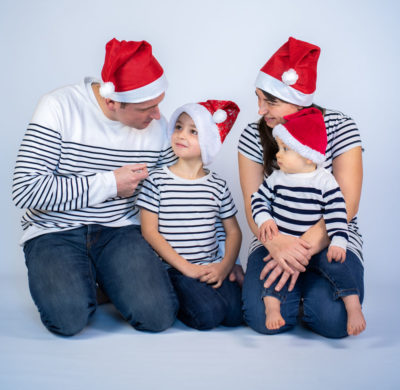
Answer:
x=274 y=319
x=355 y=318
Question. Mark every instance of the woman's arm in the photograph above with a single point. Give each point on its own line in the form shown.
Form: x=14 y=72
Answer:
x=149 y=225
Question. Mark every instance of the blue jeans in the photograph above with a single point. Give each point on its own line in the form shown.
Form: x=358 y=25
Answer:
x=319 y=290
x=203 y=307
x=63 y=268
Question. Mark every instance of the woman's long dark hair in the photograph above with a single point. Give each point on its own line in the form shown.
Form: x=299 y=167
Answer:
x=268 y=143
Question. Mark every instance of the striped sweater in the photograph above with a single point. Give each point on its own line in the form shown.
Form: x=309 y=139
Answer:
x=64 y=170
x=298 y=201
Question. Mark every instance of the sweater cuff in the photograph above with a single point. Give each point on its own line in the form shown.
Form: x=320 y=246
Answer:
x=261 y=218
x=102 y=186
x=339 y=241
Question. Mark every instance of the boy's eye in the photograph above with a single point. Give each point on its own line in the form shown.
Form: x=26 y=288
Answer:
x=285 y=149
x=194 y=132
x=177 y=127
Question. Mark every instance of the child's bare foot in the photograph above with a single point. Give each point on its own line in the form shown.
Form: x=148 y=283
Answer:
x=274 y=319
x=355 y=318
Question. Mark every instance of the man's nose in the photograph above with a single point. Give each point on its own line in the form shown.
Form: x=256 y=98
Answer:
x=155 y=113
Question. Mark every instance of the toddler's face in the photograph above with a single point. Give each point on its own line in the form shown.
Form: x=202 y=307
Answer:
x=184 y=140
x=290 y=161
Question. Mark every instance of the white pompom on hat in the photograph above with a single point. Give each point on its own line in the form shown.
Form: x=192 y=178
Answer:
x=213 y=119
x=291 y=73
x=131 y=74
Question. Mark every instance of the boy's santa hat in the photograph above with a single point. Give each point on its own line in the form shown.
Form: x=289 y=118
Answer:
x=213 y=119
x=131 y=74
x=291 y=73
x=305 y=133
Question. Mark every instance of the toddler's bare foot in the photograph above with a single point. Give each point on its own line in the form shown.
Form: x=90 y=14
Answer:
x=355 y=318
x=274 y=319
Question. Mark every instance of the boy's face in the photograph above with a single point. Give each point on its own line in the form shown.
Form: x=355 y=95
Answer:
x=184 y=140
x=290 y=161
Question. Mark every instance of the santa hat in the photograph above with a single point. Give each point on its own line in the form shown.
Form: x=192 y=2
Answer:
x=213 y=119
x=305 y=133
x=291 y=73
x=131 y=74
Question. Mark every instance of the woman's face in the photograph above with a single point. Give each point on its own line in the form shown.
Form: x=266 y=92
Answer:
x=273 y=112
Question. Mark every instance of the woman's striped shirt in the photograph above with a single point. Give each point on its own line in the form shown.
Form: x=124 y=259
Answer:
x=343 y=135
x=64 y=171
x=187 y=211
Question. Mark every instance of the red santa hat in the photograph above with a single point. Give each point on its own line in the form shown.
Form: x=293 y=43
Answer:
x=131 y=74
x=305 y=133
x=291 y=73
x=213 y=119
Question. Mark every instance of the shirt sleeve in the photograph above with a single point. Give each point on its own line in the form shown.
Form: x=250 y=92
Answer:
x=36 y=181
x=228 y=208
x=335 y=214
x=149 y=196
x=250 y=144
x=261 y=201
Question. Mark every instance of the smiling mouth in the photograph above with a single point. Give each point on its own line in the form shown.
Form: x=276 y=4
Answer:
x=180 y=145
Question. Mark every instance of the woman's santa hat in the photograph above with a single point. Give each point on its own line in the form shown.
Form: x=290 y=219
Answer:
x=291 y=73
x=131 y=74
x=213 y=119
x=305 y=133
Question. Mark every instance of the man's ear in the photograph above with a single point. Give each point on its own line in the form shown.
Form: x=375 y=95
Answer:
x=111 y=104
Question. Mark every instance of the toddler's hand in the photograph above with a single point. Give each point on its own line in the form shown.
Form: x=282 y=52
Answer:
x=336 y=253
x=267 y=230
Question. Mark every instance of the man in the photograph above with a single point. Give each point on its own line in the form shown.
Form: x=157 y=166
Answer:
x=78 y=172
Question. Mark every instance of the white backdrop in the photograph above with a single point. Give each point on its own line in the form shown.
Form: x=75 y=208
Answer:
x=214 y=49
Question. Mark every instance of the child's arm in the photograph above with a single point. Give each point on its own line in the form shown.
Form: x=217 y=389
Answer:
x=267 y=230
x=217 y=272
x=149 y=223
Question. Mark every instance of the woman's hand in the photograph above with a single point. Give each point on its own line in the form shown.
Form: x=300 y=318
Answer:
x=276 y=271
x=291 y=253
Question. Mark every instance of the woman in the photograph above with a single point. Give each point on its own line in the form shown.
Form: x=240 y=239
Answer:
x=285 y=85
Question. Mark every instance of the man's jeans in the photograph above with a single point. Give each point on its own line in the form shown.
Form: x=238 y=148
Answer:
x=63 y=268
x=319 y=289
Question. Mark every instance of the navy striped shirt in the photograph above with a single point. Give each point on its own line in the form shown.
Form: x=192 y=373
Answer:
x=187 y=211
x=64 y=171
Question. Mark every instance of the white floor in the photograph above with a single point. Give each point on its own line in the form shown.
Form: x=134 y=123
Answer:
x=110 y=354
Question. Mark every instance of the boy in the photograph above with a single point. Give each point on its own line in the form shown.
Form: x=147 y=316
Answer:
x=180 y=205
x=294 y=198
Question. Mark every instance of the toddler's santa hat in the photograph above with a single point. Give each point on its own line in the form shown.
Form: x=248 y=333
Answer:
x=213 y=119
x=305 y=133
x=291 y=73
x=131 y=74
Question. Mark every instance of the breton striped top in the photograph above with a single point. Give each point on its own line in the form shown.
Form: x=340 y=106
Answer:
x=187 y=211
x=298 y=201
x=64 y=171
x=343 y=135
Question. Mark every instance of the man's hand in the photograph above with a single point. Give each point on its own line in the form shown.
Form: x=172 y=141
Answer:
x=128 y=177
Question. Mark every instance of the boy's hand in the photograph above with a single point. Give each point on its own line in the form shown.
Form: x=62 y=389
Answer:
x=336 y=253
x=267 y=230
x=216 y=274
x=195 y=271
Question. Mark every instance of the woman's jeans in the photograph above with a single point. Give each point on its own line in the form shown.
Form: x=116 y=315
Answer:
x=203 y=307
x=320 y=289
x=63 y=269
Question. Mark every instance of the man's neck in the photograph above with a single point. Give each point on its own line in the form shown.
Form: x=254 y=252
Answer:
x=100 y=101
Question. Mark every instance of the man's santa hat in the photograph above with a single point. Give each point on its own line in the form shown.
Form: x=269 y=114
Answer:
x=213 y=119
x=131 y=74
x=291 y=73
x=305 y=133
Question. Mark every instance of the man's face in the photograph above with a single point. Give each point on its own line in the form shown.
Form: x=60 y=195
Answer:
x=138 y=115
